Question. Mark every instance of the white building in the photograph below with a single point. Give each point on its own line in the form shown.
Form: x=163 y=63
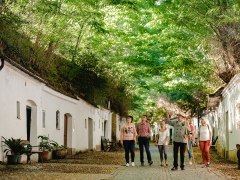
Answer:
x=30 y=108
x=225 y=116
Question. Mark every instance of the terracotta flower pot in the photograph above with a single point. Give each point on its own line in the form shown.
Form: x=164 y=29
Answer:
x=44 y=156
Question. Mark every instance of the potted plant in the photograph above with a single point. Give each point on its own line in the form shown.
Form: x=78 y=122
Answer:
x=15 y=147
x=45 y=146
x=59 y=151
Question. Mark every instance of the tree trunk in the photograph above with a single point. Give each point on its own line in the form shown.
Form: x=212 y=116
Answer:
x=50 y=50
x=80 y=34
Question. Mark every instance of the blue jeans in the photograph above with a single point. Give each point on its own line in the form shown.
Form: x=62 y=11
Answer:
x=144 y=143
x=162 y=151
x=129 y=146
x=189 y=149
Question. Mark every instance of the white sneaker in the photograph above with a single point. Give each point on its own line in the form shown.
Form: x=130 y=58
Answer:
x=127 y=165
x=190 y=162
x=133 y=164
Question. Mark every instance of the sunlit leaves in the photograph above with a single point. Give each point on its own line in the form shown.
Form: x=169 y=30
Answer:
x=137 y=49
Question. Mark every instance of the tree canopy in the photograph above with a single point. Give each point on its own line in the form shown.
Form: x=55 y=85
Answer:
x=128 y=52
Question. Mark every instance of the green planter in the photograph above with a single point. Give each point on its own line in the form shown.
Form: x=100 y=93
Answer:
x=59 y=151
x=59 y=154
x=13 y=159
x=13 y=149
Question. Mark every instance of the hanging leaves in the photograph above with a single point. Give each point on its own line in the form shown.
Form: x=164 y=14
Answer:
x=128 y=52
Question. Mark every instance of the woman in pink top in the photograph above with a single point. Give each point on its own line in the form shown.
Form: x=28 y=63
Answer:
x=128 y=136
x=205 y=139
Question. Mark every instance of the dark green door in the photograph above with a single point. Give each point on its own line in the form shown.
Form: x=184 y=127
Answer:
x=29 y=113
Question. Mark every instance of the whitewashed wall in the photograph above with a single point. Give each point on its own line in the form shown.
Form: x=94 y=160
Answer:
x=195 y=124
x=121 y=121
x=231 y=98
x=118 y=126
x=15 y=86
x=52 y=102
x=226 y=119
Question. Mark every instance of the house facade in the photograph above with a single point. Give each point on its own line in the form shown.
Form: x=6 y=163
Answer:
x=30 y=108
x=225 y=116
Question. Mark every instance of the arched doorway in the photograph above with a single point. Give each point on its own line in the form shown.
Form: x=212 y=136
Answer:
x=68 y=131
x=31 y=122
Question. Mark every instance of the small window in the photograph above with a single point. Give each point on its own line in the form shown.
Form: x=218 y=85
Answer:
x=18 y=109
x=58 y=120
x=85 y=123
x=43 y=119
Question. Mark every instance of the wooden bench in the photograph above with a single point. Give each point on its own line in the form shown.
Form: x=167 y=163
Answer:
x=107 y=145
x=30 y=150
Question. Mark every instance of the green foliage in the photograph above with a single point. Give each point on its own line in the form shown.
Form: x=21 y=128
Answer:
x=14 y=146
x=125 y=51
x=45 y=143
x=56 y=146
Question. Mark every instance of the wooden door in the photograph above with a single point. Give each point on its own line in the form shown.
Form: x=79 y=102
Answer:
x=29 y=115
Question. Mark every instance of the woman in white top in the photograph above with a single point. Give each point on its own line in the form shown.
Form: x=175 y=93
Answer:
x=162 y=139
x=205 y=139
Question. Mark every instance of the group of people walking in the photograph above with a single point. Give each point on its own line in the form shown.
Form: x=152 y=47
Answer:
x=128 y=138
x=183 y=138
